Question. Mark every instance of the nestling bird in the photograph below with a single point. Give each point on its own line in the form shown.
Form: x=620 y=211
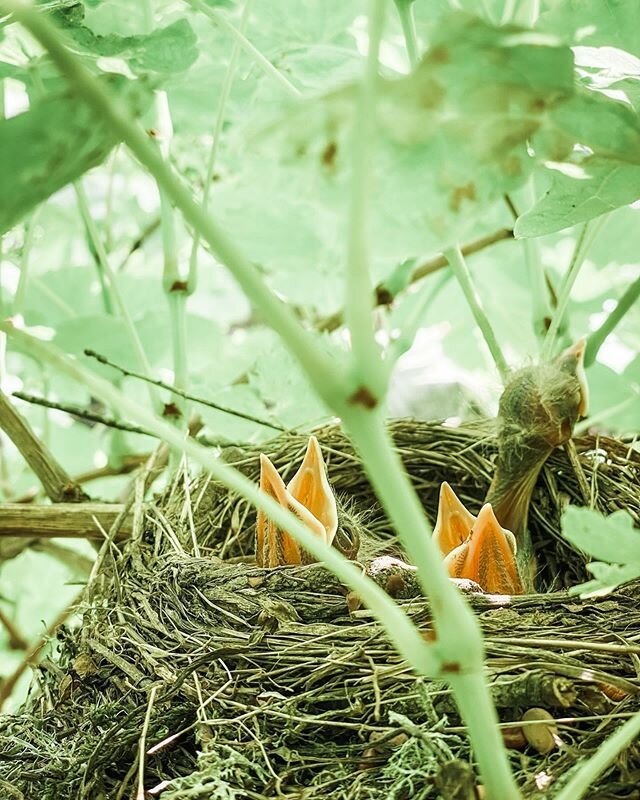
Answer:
x=537 y=412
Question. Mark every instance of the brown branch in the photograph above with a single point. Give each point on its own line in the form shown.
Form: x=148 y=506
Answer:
x=384 y=297
x=68 y=520
x=58 y=486
x=16 y=640
x=81 y=413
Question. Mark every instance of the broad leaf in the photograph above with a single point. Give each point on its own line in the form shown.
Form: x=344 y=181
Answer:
x=165 y=50
x=451 y=138
x=595 y=22
x=612 y=538
x=599 y=186
x=55 y=142
x=607 y=578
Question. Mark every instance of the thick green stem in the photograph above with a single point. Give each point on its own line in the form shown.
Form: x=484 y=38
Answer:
x=459 y=641
x=265 y=65
x=359 y=289
x=408 y=22
x=588 y=233
x=401 y=631
x=98 y=246
x=597 y=338
x=328 y=374
x=478 y=711
x=586 y=773
x=225 y=91
x=461 y=271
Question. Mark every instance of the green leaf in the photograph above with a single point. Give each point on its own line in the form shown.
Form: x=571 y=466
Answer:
x=595 y=22
x=165 y=50
x=608 y=127
x=451 y=137
x=599 y=186
x=607 y=578
x=55 y=142
x=612 y=539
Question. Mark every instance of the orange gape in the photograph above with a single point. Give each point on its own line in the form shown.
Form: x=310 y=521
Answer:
x=308 y=496
x=478 y=549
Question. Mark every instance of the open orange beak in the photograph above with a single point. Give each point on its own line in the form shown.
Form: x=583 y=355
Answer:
x=478 y=549
x=454 y=522
x=308 y=496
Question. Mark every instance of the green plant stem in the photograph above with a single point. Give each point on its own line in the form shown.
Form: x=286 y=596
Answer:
x=538 y=291
x=427 y=295
x=463 y=276
x=405 y=637
x=597 y=338
x=408 y=22
x=359 y=289
x=225 y=91
x=23 y=280
x=459 y=640
x=328 y=374
x=265 y=65
x=176 y=289
x=103 y=260
x=586 y=773
x=588 y=232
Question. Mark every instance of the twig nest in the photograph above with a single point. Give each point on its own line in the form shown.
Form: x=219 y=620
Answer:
x=542 y=738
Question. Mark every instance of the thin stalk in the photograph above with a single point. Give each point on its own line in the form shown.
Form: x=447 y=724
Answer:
x=23 y=280
x=401 y=631
x=265 y=65
x=597 y=338
x=458 y=636
x=359 y=288
x=175 y=287
x=2 y=303
x=461 y=271
x=427 y=296
x=408 y=22
x=586 y=773
x=587 y=234
x=327 y=374
x=538 y=292
x=225 y=91
x=98 y=246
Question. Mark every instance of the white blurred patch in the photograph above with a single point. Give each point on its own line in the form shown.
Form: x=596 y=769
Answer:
x=427 y=384
x=16 y=99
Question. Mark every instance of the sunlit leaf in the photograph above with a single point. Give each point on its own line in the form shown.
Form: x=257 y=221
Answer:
x=601 y=186
x=612 y=539
x=56 y=141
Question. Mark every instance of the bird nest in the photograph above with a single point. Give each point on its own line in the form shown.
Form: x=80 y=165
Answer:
x=235 y=681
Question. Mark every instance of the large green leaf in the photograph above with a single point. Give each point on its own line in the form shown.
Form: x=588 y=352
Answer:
x=166 y=50
x=599 y=186
x=451 y=139
x=55 y=142
x=595 y=22
x=612 y=538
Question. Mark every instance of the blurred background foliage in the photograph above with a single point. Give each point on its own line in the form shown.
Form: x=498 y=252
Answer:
x=280 y=188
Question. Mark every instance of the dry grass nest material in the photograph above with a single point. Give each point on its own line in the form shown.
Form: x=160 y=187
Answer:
x=252 y=683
